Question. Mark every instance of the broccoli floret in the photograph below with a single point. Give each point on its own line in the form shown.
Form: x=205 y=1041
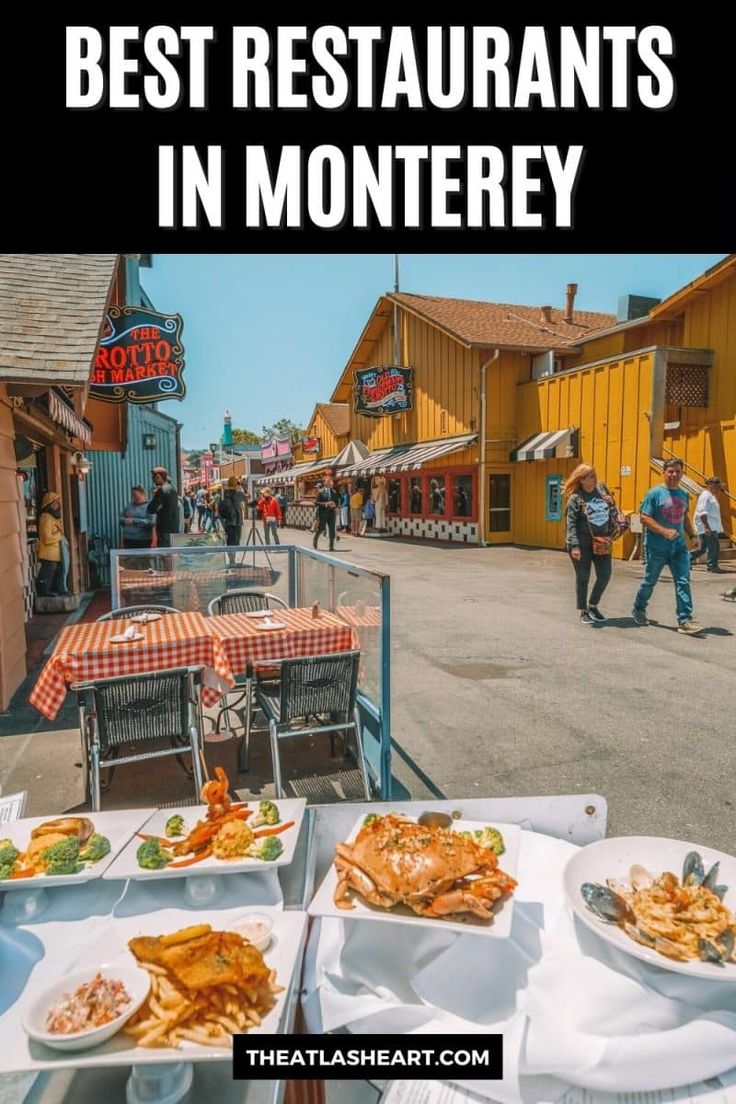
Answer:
x=8 y=856
x=175 y=825
x=62 y=857
x=268 y=849
x=151 y=855
x=468 y=835
x=267 y=814
x=490 y=838
x=370 y=818
x=95 y=848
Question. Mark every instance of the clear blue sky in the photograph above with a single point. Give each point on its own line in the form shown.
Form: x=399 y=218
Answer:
x=267 y=335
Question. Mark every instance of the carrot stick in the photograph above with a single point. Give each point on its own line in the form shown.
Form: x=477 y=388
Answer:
x=189 y=862
x=273 y=831
x=161 y=840
x=29 y=873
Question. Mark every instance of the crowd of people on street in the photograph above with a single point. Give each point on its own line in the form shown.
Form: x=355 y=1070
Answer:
x=671 y=539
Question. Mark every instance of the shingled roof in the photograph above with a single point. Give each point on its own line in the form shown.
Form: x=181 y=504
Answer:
x=505 y=324
x=337 y=416
x=52 y=309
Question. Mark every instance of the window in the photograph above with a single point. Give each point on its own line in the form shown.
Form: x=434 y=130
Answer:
x=436 y=495
x=415 y=495
x=462 y=495
x=394 y=495
x=499 y=520
x=553 y=498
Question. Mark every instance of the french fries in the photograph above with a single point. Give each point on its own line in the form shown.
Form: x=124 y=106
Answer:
x=173 y=1014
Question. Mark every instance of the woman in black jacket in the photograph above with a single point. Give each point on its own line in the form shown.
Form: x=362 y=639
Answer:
x=590 y=513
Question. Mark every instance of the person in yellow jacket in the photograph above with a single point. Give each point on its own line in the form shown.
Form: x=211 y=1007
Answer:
x=52 y=552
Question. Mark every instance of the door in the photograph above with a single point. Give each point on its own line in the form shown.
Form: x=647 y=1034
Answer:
x=499 y=508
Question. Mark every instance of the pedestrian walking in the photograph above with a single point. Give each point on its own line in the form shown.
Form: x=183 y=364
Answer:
x=356 y=511
x=136 y=522
x=590 y=523
x=344 y=508
x=283 y=504
x=708 y=525
x=328 y=505
x=270 y=514
x=165 y=506
x=666 y=522
x=201 y=500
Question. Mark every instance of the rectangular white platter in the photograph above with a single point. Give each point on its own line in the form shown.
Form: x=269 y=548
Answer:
x=126 y=865
x=119 y=826
x=498 y=928
x=21 y=1053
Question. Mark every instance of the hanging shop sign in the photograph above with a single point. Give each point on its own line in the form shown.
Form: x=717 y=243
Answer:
x=381 y=391
x=311 y=444
x=140 y=359
x=275 y=448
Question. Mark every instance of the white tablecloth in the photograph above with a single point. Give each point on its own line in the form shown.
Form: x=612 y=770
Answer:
x=573 y=1010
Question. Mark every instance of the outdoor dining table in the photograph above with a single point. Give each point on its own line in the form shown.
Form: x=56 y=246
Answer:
x=86 y=652
x=245 y=645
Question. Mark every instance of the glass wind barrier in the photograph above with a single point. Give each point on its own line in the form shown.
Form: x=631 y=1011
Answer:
x=188 y=577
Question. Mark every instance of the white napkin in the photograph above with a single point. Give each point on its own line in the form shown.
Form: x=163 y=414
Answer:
x=131 y=632
x=570 y=1006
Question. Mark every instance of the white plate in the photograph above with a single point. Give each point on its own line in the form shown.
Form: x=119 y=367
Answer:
x=118 y=826
x=499 y=928
x=258 y=613
x=126 y=865
x=18 y=1052
x=146 y=618
x=612 y=858
x=121 y=639
x=270 y=625
x=136 y=980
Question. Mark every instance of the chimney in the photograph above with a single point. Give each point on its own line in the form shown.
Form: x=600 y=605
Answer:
x=546 y=315
x=570 y=292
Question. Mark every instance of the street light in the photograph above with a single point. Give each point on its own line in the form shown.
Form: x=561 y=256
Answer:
x=81 y=464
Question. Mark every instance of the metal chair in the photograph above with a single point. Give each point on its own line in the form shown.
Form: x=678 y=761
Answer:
x=310 y=689
x=136 y=709
x=243 y=601
x=126 y=613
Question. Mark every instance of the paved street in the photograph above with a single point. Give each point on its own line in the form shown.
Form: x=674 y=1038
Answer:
x=498 y=690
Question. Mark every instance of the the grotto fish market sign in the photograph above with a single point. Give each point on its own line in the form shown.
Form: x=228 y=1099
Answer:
x=140 y=358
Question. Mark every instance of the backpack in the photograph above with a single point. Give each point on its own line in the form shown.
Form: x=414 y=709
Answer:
x=226 y=510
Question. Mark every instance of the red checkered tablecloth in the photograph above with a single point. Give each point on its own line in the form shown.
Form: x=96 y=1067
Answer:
x=360 y=617
x=245 y=645
x=85 y=652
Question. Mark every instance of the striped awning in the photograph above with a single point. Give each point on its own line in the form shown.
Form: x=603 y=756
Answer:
x=556 y=444
x=290 y=475
x=64 y=416
x=353 y=453
x=409 y=457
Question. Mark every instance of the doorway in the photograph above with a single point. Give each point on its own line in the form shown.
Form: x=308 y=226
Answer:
x=499 y=508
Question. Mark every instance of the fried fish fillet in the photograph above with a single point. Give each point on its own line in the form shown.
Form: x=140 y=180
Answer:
x=218 y=958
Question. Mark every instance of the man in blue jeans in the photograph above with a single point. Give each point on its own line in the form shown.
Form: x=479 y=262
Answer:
x=665 y=518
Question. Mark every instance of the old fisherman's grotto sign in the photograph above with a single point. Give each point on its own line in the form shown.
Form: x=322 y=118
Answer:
x=140 y=358
x=380 y=391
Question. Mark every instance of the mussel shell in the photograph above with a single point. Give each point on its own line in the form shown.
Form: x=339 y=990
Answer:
x=708 y=952
x=641 y=878
x=710 y=879
x=693 y=870
x=726 y=940
x=720 y=891
x=605 y=903
x=637 y=933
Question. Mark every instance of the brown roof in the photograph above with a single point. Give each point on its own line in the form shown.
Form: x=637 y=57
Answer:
x=506 y=324
x=52 y=307
x=337 y=416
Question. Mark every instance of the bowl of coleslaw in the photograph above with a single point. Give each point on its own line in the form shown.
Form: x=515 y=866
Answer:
x=87 y=1007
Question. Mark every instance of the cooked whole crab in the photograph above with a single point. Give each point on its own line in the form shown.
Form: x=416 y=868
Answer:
x=434 y=871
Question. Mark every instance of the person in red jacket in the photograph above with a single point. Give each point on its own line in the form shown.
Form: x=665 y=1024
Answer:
x=270 y=511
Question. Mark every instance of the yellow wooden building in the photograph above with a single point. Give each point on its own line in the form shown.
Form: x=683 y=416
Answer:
x=507 y=399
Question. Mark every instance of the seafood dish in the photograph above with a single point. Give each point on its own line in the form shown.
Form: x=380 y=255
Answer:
x=206 y=986
x=436 y=872
x=94 y=1003
x=229 y=831
x=59 y=847
x=683 y=918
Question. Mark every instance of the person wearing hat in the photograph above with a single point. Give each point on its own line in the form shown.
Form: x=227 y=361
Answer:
x=136 y=522
x=231 y=508
x=708 y=525
x=165 y=506
x=52 y=553
x=270 y=514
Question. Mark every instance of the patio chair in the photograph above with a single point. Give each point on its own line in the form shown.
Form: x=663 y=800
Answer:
x=243 y=601
x=315 y=694
x=138 y=709
x=125 y=613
